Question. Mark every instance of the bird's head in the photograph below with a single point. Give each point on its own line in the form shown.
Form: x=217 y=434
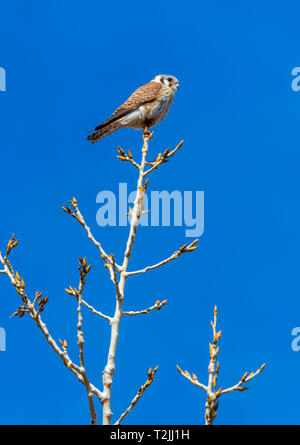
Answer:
x=167 y=80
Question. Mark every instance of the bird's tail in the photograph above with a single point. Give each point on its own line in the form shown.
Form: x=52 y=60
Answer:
x=104 y=131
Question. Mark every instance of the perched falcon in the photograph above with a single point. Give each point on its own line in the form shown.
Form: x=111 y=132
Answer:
x=147 y=106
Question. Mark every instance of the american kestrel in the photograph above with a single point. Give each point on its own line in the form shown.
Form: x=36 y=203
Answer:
x=146 y=107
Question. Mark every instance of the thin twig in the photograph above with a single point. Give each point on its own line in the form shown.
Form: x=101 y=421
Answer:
x=84 y=269
x=128 y=158
x=184 y=249
x=78 y=216
x=162 y=159
x=158 y=305
x=238 y=386
x=95 y=311
x=139 y=394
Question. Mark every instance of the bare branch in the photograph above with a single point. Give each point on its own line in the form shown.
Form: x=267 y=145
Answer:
x=19 y=285
x=128 y=158
x=183 y=249
x=112 y=267
x=162 y=159
x=238 y=386
x=74 y=292
x=213 y=394
x=84 y=270
x=136 y=213
x=193 y=379
x=158 y=305
x=78 y=216
x=139 y=394
x=92 y=309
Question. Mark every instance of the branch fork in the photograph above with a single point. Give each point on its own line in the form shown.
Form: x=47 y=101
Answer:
x=213 y=394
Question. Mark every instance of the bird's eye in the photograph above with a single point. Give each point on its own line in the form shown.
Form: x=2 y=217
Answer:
x=170 y=79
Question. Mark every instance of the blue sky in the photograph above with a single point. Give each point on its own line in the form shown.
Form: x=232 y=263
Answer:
x=68 y=66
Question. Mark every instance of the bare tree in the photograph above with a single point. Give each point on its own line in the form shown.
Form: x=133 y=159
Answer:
x=214 y=394
x=118 y=273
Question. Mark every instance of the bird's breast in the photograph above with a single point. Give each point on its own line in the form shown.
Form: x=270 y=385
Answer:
x=150 y=113
x=158 y=109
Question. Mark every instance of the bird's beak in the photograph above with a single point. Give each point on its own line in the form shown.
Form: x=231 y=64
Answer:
x=177 y=85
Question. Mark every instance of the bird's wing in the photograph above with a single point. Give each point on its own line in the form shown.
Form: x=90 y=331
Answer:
x=144 y=94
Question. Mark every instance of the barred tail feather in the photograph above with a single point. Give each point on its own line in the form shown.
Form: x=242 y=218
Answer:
x=104 y=131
